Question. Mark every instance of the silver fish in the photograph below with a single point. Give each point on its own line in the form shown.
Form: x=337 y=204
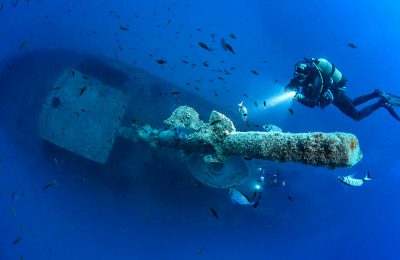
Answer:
x=240 y=198
x=349 y=180
x=272 y=128
x=243 y=111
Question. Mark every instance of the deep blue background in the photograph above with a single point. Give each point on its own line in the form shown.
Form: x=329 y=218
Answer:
x=158 y=217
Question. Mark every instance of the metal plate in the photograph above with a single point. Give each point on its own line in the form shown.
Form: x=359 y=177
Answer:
x=82 y=115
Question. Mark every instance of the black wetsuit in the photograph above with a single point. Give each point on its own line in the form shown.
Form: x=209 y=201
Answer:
x=319 y=90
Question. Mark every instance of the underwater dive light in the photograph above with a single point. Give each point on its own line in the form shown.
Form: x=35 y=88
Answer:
x=284 y=97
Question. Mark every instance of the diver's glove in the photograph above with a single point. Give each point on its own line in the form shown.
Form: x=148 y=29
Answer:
x=298 y=96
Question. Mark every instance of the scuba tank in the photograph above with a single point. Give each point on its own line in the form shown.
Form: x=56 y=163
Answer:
x=331 y=80
x=328 y=69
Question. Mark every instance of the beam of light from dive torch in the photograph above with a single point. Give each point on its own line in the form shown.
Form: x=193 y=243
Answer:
x=281 y=98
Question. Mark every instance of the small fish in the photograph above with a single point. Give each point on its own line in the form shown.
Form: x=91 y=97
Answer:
x=271 y=128
x=169 y=21
x=352 y=45
x=175 y=93
x=268 y=226
x=214 y=213
x=229 y=48
x=254 y=72
x=199 y=251
x=23 y=44
x=205 y=63
x=14 y=212
x=240 y=198
x=349 y=180
x=216 y=121
x=123 y=27
x=1 y=6
x=13 y=195
x=242 y=111
x=82 y=90
x=151 y=55
x=256 y=104
x=14 y=3
x=223 y=44
x=233 y=36
x=185 y=61
x=16 y=241
x=265 y=103
x=161 y=61
x=72 y=73
x=291 y=111
x=226 y=46
x=290 y=198
x=50 y=185
x=198 y=29
x=204 y=46
x=244 y=94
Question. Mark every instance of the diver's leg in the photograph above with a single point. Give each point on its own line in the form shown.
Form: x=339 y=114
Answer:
x=362 y=99
x=345 y=105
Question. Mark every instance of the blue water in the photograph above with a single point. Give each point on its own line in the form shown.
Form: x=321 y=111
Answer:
x=142 y=204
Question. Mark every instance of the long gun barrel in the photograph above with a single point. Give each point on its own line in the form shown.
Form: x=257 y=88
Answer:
x=219 y=139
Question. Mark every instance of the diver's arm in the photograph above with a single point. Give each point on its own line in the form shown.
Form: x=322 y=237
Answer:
x=292 y=85
x=311 y=98
x=306 y=101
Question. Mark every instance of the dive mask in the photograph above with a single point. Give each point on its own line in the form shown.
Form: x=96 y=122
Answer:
x=300 y=73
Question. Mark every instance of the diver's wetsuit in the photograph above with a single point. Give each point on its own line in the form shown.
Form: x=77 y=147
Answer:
x=321 y=91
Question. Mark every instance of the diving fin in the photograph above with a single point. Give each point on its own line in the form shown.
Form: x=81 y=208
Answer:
x=255 y=205
x=390 y=98
x=393 y=100
x=368 y=177
x=390 y=109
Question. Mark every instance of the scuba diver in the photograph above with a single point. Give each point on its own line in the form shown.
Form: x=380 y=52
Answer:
x=317 y=82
